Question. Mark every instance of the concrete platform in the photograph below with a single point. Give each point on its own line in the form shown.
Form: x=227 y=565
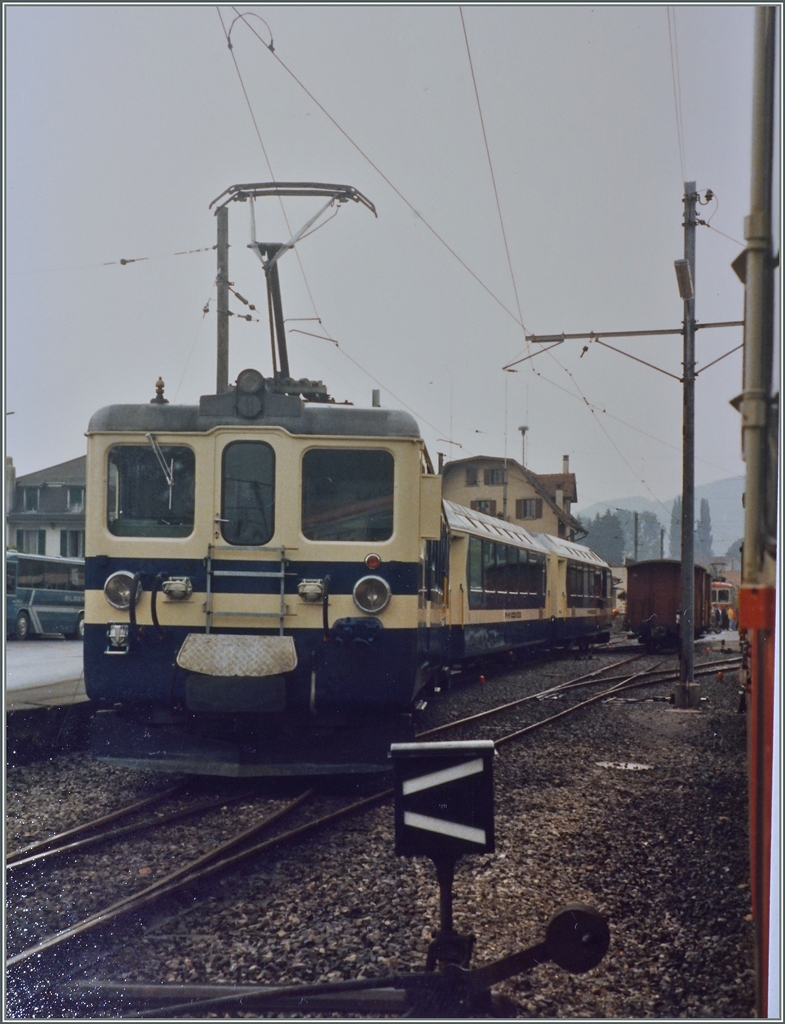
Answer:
x=43 y=674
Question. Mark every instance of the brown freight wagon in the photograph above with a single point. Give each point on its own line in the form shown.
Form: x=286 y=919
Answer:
x=654 y=601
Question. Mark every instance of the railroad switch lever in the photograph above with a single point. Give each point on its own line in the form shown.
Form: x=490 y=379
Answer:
x=576 y=938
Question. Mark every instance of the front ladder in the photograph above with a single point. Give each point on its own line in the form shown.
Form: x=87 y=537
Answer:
x=212 y=572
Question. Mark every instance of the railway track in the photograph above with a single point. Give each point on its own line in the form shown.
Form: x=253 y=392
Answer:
x=611 y=681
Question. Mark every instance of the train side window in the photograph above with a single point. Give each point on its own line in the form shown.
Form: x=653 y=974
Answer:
x=347 y=494
x=150 y=491
x=248 y=492
x=474 y=573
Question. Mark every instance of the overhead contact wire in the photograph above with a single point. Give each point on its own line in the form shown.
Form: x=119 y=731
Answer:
x=381 y=173
x=493 y=179
x=272 y=176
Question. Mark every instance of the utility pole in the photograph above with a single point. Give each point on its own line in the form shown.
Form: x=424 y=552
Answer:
x=687 y=691
x=635 y=536
x=222 y=301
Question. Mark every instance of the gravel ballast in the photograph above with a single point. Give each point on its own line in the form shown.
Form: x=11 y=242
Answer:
x=629 y=806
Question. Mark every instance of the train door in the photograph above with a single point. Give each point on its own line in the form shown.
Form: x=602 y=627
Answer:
x=247 y=593
x=559 y=589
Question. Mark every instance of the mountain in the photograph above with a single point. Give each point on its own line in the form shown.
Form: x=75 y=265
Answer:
x=723 y=496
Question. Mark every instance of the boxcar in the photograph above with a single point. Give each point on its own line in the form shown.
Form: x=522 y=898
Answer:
x=654 y=601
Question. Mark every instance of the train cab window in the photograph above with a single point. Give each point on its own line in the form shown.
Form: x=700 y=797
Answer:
x=347 y=494
x=150 y=491
x=248 y=493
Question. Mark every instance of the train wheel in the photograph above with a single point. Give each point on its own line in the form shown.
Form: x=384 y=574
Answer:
x=22 y=631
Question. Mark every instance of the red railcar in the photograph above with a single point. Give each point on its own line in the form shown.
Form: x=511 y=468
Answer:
x=654 y=601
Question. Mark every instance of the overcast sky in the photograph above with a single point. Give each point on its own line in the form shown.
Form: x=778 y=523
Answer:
x=123 y=123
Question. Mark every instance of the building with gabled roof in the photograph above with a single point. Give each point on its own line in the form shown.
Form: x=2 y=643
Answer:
x=45 y=510
x=508 y=490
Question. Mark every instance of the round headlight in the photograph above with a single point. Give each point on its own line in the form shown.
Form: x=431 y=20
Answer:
x=371 y=594
x=118 y=590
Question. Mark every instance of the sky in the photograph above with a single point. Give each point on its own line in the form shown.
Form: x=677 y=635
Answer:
x=123 y=123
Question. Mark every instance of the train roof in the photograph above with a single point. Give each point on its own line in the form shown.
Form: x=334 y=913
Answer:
x=286 y=411
x=478 y=524
x=569 y=549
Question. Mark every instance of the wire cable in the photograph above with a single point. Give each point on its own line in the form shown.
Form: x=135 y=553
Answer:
x=382 y=175
x=493 y=179
x=676 y=80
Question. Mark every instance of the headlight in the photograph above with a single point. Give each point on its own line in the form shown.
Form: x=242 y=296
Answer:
x=118 y=589
x=371 y=594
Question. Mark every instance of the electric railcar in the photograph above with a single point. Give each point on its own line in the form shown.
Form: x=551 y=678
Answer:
x=272 y=595
x=272 y=579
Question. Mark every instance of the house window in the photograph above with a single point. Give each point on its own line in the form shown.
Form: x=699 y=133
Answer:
x=471 y=476
x=31 y=542
x=75 y=499
x=72 y=543
x=488 y=507
x=493 y=477
x=528 y=508
x=30 y=499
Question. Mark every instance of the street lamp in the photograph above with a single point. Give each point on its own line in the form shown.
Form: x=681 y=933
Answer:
x=523 y=444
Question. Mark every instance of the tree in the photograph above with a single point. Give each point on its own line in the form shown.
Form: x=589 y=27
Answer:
x=703 y=537
x=733 y=555
x=648 y=535
x=674 y=545
x=606 y=537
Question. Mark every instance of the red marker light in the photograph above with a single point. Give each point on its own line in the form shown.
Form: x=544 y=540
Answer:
x=373 y=561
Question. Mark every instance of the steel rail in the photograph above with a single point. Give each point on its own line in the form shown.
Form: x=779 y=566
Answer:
x=581 y=681
x=137 y=826
x=586 y=679
x=199 y=869
x=634 y=682
x=88 y=826
x=192 y=871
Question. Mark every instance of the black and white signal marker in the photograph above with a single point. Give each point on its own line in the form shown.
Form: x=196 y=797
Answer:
x=443 y=798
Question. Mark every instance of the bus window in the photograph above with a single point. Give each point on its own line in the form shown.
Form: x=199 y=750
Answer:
x=30 y=573
x=347 y=494
x=148 y=496
x=10 y=577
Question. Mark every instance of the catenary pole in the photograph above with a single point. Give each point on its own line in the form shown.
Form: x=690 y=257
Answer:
x=687 y=692
x=222 y=301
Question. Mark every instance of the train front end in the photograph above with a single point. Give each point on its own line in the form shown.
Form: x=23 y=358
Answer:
x=252 y=576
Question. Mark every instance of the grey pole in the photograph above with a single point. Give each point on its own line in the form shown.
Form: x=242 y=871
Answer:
x=635 y=535
x=758 y=328
x=687 y=693
x=222 y=301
